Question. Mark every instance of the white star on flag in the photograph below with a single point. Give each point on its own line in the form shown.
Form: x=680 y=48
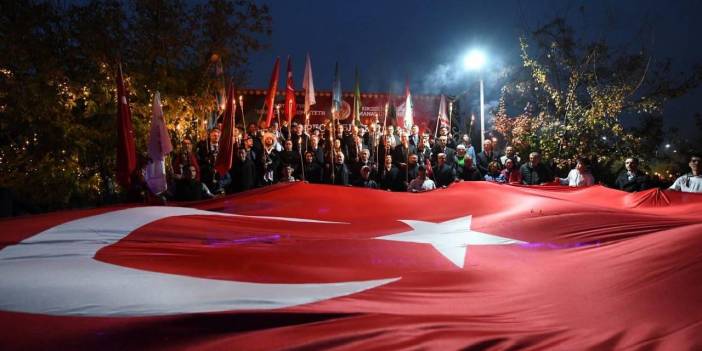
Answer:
x=451 y=238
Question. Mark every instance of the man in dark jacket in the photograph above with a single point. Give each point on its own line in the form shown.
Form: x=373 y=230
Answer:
x=486 y=156
x=632 y=179
x=444 y=174
x=243 y=173
x=534 y=172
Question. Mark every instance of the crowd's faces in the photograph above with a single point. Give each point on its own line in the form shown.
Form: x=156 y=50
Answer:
x=337 y=144
x=466 y=139
x=580 y=167
x=314 y=141
x=404 y=139
x=388 y=141
x=315 y=132
x=268 y=140
x=509 y=151
x=695 y=164
x=309 y=157
x=493 y=168
x=242 y=155
x=339 y=158
x=422 y=173
x=187 y=146
x=534 y=159
x=443 y=140
x=631 y=164
x=288 y=145
x=262 y=125
x=441 y=158
x=365 y=156
x=214 y=136
x=371 y=128
x=251 y=129
x=443 y=131
x=425 y=140
x=248 y=142
x=298 y=129
x=413 y=159
x=339 y=129
x=388 y=161
x=274 y=127
x=461 y=151
x=193 y=172
x=487 y=145
x=390 y=130
x=415 y=130
x=509 y=164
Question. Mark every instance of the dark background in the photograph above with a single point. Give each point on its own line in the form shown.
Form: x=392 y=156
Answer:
x=425 y=40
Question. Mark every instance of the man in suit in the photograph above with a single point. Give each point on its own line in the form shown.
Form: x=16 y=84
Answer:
x=486 y=156
x=444 y=174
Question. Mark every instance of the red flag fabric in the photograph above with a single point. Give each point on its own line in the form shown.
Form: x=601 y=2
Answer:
x=297 y=266
x=272 y=89
x=226 y=151
x=290 y=104
x=126 y=149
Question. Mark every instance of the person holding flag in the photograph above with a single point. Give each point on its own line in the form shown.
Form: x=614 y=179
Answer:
x=290 y=104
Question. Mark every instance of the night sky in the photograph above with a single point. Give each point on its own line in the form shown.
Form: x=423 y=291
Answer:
x=425 y=41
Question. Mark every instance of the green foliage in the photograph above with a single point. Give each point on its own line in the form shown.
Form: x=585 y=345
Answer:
x=57 y=89
x=579 y=93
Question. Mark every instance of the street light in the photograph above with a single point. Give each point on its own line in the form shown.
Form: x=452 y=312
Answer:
x=474 y=61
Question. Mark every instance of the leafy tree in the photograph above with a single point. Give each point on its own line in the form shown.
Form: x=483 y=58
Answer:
x=57 y=89
x=579 y=91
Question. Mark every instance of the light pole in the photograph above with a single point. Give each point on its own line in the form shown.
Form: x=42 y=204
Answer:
x=475 y=60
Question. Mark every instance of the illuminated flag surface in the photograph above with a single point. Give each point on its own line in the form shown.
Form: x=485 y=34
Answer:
x=300 y=266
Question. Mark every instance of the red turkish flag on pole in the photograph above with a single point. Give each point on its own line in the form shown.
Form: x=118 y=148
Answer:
x=535 y=268
x=126 y=149
x=226 y=151
x=290 y=103
x=272 y=89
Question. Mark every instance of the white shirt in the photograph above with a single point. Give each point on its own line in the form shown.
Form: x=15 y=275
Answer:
x=688 y=183
x=576 y=178
x=419 y=185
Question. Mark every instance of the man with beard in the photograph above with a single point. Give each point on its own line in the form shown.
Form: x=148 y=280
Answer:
x=243 y=173
x=207 y=151
x=269 y=161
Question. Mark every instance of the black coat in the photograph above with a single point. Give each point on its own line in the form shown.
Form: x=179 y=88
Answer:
x=637 y=183
x=535 y=175
x=484 y=160
x=444 y=175
x=243 y=175
x=390 y=179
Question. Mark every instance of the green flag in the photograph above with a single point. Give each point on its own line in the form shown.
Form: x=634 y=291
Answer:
x=357 y=102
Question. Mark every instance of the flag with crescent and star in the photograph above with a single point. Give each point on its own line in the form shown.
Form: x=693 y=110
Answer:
x=295 y=266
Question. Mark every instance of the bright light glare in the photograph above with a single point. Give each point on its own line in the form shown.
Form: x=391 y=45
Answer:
x=474 y=60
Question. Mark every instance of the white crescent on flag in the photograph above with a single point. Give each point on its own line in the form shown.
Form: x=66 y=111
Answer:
x=55 y=273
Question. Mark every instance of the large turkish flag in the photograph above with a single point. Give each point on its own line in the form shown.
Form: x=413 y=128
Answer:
x=300 y=266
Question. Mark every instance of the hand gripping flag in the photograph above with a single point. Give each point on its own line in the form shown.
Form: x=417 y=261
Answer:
x=293 y=266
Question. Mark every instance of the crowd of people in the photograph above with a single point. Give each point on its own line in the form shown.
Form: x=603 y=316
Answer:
x=389 y=159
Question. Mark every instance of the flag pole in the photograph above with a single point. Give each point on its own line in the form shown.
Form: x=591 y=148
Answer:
x=241 y=105
x=302 y=162
x=331 y=148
